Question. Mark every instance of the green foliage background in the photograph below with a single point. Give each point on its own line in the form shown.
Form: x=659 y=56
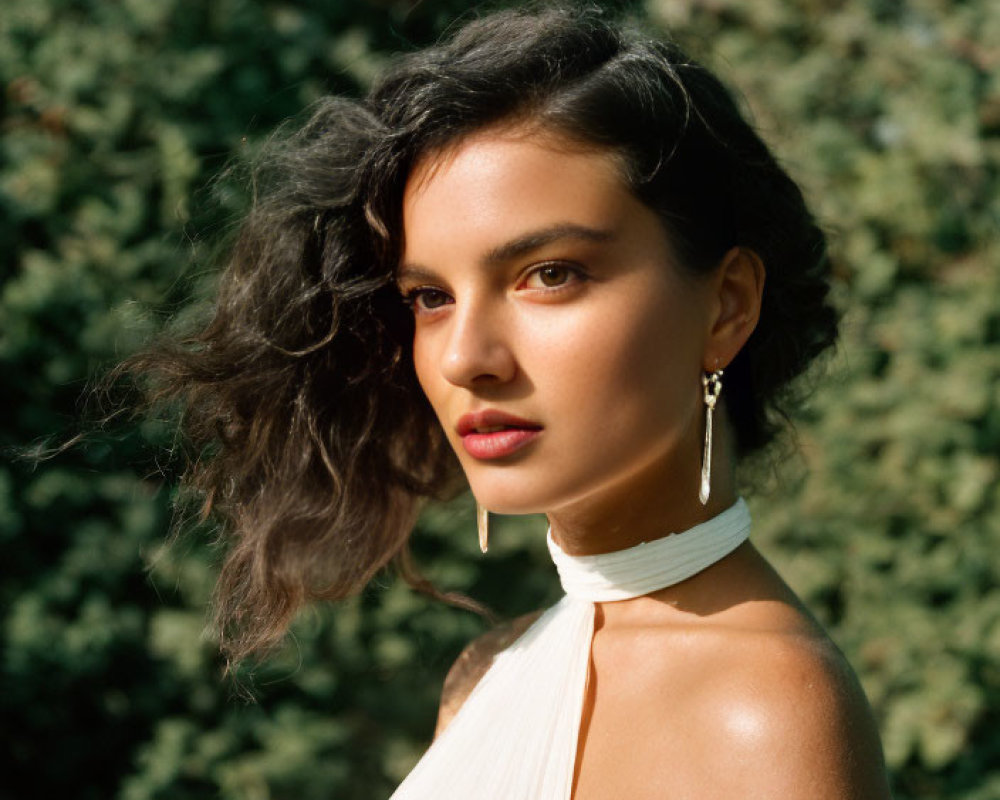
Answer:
x=114 y=118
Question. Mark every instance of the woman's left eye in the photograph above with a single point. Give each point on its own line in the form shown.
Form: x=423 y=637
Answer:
x=551 y=276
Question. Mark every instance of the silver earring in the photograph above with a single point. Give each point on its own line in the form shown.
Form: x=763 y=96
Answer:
x=712 y=385
x=483 y=522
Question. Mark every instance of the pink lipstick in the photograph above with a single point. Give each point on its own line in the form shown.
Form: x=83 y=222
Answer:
x=493 y=434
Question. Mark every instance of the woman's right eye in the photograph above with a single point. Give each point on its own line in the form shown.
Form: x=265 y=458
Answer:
x=425 y=299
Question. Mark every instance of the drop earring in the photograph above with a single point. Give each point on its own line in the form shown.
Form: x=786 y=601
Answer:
x=712 y=385
x=483 y=523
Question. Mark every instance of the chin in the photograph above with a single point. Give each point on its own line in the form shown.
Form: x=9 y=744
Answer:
x=524 y=494
x=511 y=499
x=501 y=504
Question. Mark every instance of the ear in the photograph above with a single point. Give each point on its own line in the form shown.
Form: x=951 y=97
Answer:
x=737 y=288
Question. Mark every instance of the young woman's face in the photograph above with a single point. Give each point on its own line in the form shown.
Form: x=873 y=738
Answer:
x=557 y=340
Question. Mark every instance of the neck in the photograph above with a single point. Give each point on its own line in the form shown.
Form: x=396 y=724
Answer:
x=658 y=501
x=652 y=566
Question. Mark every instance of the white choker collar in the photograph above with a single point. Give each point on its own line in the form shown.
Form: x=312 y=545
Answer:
x=653 y=565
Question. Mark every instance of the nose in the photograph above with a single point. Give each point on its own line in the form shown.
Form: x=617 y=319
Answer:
x=477 y=350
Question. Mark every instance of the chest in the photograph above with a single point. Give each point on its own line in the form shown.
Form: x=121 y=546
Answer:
x=635 y=730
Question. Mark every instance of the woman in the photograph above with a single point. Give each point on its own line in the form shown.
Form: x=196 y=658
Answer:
x=610 y=283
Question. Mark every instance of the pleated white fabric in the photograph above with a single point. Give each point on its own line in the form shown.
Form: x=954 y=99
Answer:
x=515 y=737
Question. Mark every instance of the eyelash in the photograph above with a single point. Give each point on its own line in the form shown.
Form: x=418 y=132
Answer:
x=412 y=297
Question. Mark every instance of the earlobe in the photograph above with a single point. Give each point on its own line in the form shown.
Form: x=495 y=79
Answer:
x=739 y=288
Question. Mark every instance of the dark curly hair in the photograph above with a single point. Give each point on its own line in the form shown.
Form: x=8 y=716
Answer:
x=318 y=444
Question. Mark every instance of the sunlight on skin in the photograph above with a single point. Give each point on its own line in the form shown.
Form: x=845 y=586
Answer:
x=543 y=288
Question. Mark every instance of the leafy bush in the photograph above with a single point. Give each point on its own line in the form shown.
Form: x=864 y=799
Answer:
x=116 y=116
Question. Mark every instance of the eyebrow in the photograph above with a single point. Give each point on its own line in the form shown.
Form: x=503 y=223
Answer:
x=520 y=246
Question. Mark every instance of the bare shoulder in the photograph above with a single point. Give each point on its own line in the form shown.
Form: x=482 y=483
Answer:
x=783 y=715
x=474 y=661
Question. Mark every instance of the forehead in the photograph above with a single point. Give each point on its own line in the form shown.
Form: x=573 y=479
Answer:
x=501 y=181
x=516 y=139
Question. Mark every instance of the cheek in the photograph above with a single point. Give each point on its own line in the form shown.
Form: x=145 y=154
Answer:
x=422 y=367
x=629 y=372
x=424 y=373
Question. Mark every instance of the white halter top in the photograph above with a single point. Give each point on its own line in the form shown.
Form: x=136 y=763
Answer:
x=515 y=737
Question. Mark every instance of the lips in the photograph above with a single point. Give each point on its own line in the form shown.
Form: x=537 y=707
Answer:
x=484 y=421
x=493 y=434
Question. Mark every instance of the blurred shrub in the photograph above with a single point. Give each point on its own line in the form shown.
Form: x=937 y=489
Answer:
x=116 y=115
